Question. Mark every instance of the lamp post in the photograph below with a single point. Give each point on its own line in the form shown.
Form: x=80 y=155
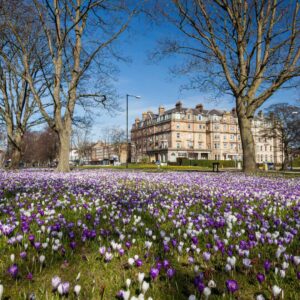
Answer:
x=127 y=137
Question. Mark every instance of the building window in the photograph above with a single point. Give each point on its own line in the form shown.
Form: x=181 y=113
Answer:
x=216 y=127
x=189 y=126
x=231 y=146
x=232 y=128
x=177 y=116
x=225 y=137
x=177 y=125
x=225 y=145
x=224 y=127
x=178 y=135
x=261 y=148
x=266 y=157
x=182 y=154
x=200 y=145
x=199 y=117
x=217 y=145
x=178 y=146
x=189 y=116
x=232 y=137
x=200 y=126
x=190 y=145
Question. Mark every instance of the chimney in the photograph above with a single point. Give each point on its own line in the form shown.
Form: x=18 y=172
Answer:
x=161 y=110
x=144 y=116
x=178 y=105
x=199 y=107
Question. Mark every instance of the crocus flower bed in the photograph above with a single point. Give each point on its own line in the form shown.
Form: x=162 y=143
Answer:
x=133 y=235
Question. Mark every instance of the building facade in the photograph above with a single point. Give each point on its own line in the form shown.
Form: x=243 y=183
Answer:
x=105 y=153
x=196 y=133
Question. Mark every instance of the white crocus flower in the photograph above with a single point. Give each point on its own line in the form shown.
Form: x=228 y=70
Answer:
x=141 y=277
x=126 y=295
x=12 y=258
x=206 y=292
x=78 y=276
x=192 y=297
x=1 y=291
x=77 y=289
x=42 y=259
x=128 y=282
x=211 y=284
x=145 y=287
x=276 y=290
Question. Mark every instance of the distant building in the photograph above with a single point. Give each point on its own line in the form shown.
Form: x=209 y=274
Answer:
x=73 y=156
x=196 y=133
x=105 y=153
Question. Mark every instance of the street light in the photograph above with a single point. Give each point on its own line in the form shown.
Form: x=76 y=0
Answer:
x=127 y=138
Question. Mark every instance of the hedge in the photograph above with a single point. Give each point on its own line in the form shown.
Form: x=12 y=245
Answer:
x=205 y=163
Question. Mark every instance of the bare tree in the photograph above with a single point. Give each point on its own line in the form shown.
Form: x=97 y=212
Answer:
x=248 y=49
x=118 y=140
x=284 y=120
x=81 y=139
x=40 y=147
x=79 y=36
x=18 y=111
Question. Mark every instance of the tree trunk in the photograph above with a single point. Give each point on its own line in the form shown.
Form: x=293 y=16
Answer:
x=249 y=163
x=15 y=151
x=64 y=151
x=285 y=161
x=15 y=158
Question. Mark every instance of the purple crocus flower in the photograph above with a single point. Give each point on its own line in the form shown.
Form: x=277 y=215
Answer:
x=13 y=270
x=154 y=272
x=194 y=240
x=165 y=264
x=170 y=272
x=231 y=285
x=159 y=265
x=201 y=287
x=29 y=276
x=31 y=238
x=138 y=262
x=260 y=277
x=23 y=255
x=73 y=245
x=267 y=265
x=206 y=256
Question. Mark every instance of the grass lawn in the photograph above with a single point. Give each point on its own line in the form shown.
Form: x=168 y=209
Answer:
x=225 y=235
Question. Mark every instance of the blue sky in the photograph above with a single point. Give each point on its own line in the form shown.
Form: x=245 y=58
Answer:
x=153 y=82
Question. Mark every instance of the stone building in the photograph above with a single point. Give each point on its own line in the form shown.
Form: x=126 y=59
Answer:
x=196 y=133
x=106 y=153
